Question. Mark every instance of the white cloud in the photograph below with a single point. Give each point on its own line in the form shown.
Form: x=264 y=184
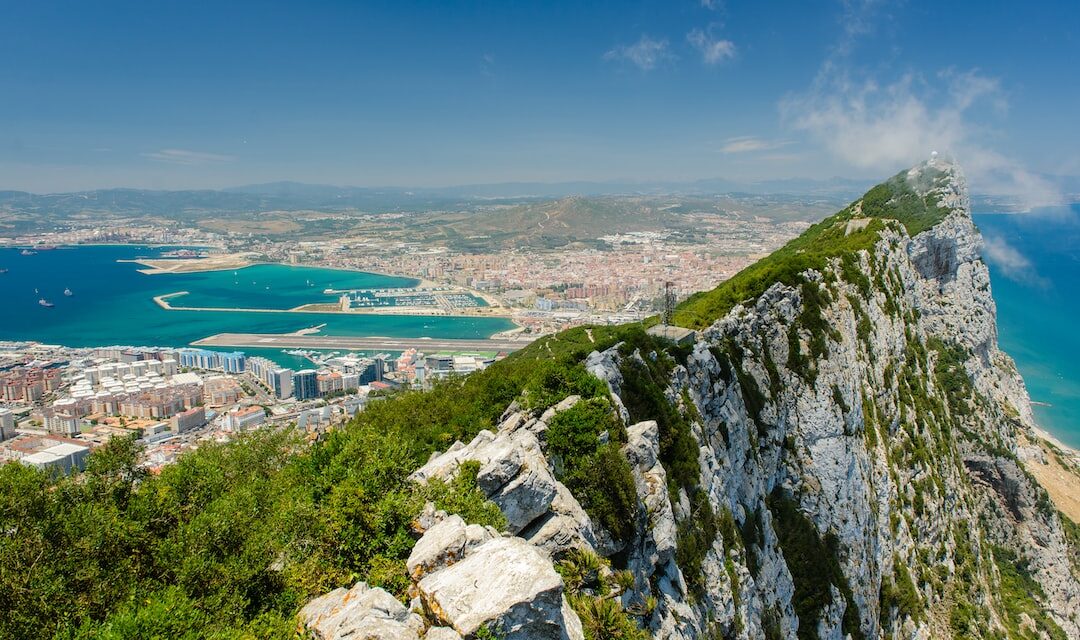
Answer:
x=884 y=125
x=647 y=53
x=712 y=51
x=487 y=65
x=745 y=144
x=712 y=5
x=186 y=157
x=877 y=127
x=1012 y=264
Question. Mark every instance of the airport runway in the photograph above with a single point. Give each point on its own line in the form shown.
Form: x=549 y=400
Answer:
x=349 y=343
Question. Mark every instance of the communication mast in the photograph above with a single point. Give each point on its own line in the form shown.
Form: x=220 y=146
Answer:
x=669 y=302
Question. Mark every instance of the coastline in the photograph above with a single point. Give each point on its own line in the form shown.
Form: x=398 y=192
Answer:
x=1048 y=437
x=155 y=245
x=201 y=265
x=158 y=266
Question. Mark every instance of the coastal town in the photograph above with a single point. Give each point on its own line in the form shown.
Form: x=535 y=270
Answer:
x=58 y=403
x=613 y=278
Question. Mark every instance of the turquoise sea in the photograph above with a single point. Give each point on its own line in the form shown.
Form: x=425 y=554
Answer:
x=113 y=302
x=1034 y=263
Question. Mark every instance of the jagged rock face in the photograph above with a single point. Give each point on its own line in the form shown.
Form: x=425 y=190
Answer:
x=857 y=451
x=512 y=472
x=898 y=496
x=444 y=544
x=465 y=578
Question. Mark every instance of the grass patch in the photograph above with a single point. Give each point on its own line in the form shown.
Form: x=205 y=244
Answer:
x=892 y=200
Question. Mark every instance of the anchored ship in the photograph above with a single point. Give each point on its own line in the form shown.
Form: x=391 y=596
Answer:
x=45 y=303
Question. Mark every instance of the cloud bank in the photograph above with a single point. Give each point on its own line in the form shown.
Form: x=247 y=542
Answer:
x=882 y=125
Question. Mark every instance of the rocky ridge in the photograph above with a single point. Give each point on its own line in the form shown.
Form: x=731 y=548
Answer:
x=856 y=475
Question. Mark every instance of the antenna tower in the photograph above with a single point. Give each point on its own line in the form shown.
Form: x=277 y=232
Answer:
x=669 y=302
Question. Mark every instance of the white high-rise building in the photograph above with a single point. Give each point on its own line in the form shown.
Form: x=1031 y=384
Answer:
x=7 y=424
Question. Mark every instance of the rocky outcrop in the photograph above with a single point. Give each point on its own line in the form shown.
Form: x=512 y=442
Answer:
x=360 y=612
x=516 y=475
x=513 y=473
x=905 y=472
x=506 y=585
x=466 y=579
x=445 y=543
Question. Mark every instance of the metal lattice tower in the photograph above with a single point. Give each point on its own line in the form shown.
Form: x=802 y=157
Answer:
x=669 y=302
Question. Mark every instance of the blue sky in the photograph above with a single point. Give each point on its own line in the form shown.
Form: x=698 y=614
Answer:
x=211 y=94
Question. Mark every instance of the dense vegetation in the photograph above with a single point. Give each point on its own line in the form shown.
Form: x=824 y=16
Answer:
x=833 y=237
x=233 y=538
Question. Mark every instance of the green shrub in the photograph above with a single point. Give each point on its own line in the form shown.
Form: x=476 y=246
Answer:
x=813 y=564
x=951 y=377
x=1019 y=596
x=900 y=593
x=695 y=536
x=753 y=398
x=598 y=475
x=1072 y=541
x=643 y=388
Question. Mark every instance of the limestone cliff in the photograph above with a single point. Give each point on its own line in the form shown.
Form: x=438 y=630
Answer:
x=833 y=457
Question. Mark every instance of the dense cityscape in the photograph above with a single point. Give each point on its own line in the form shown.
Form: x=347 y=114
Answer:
x=57 y=403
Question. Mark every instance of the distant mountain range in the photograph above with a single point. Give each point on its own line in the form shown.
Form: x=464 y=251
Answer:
x=298 y=196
